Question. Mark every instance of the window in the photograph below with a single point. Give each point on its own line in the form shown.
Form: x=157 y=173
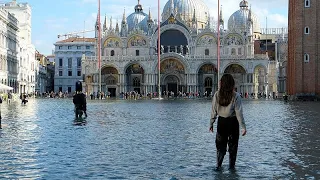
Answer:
x=60 y=47
x=87 y=47
x=79 y=62
x=78 y=47
x=306 y=30
x=239 y=51
x=69 y=62
x=306 y=58
x=69 y=89
x=137 y=52
x=60 y=73
x=69 y=47
x=112 y=53
x=79 y=73
x=60 y=62
x=206 y=52
x=306 y=3
x=69 y=73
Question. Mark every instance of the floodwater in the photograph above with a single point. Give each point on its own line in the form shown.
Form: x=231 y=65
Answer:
x=150 y=139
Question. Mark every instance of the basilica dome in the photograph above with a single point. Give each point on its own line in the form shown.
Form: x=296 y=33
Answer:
x=239 y=19
x=185 y=9
x=138 y=19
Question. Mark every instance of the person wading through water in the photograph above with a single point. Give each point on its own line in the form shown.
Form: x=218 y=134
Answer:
x=79 y=101
x=227 y=106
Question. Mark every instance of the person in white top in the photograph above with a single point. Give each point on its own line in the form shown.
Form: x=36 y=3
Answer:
x=227 y=106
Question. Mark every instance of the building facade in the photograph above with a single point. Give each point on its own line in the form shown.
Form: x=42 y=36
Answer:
x=303 y=49
x=9 y=43
x=27 y=64
x=188 y=60
x=68 y=57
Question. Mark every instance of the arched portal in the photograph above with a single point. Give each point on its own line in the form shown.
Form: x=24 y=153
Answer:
x=109 y=80
x=239 y=75
x=135 y=78
x=207 y=79
x=173 y=40
x=172 y=76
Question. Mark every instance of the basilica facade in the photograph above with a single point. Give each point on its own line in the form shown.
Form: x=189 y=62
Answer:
x=188 y=52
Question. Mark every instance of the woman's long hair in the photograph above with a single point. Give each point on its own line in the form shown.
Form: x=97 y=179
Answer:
x=226 y=90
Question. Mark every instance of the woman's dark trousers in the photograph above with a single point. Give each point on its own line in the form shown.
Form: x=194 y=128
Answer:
x=227 y=134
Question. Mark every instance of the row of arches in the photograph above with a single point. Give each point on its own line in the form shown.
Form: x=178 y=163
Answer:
x=174 y=78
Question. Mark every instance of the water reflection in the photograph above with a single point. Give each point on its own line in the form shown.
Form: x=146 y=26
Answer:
x=155 y=140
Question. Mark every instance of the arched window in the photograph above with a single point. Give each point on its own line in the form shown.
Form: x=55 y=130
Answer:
x=112 y=53
x=306 y=58
x=306 y=3
x=206 y=52
x=306 y=30
x=136 y=81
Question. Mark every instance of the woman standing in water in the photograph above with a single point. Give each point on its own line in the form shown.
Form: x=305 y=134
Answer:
x=227 y=106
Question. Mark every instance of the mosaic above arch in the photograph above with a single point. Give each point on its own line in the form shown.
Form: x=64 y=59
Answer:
x=137 y=41
x=233 y=39
x=171 y=66
x=112 y=42
x=206 y=40
x=235 y=69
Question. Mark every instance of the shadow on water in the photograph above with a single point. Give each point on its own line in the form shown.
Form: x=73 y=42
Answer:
x=155 y=140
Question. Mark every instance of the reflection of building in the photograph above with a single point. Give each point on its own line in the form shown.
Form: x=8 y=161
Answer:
x=188 y=52
x=303 y=49
x=68 y=55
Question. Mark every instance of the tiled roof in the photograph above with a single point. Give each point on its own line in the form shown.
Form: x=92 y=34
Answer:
x=77 y=39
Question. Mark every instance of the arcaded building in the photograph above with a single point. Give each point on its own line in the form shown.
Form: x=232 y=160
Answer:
x=303 y=49
x=188 y=59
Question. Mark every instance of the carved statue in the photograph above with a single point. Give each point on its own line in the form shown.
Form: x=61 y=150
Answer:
x=181 y=49
x=162 y=49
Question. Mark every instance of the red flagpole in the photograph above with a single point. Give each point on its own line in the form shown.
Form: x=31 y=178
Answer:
x=99 y=45
x=218 y=48
x=159 y=88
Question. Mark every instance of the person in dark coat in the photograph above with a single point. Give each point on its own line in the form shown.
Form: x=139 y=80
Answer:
x=79 y=101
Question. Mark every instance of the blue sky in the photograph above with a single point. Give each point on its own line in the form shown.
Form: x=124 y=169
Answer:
x=53 y=17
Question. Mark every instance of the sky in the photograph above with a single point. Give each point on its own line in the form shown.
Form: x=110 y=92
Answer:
x=53 y=17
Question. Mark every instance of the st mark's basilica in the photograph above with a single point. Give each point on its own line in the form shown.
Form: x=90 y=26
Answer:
x=188 y=49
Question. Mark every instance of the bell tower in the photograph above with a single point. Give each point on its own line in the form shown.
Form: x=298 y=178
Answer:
x=303 y=64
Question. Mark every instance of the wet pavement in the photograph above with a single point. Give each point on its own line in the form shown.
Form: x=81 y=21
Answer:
x=149 y=139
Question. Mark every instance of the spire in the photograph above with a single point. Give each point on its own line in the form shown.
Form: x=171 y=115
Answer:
x=221 y=16
x=124 y=20
x=105 y=23
x=110 y=23
x=194 y=16
x=150 y=18
x=250 y=15
x=117 y=27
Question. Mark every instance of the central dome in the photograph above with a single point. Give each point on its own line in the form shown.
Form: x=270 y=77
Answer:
x=185 y=9
x=138 y=19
